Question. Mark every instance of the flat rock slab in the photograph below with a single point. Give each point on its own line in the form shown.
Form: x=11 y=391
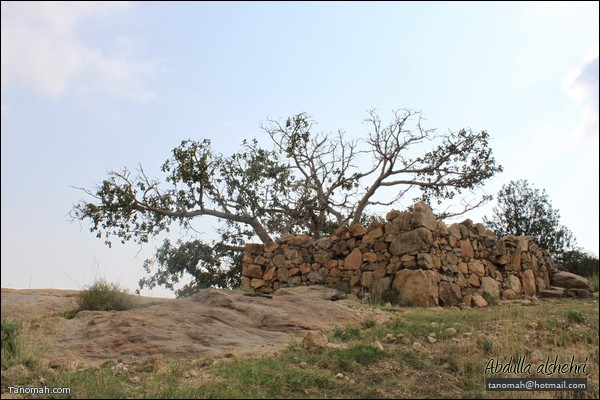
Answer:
x=210 y=324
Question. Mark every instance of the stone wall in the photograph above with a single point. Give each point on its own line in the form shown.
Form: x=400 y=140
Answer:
x=412 y=259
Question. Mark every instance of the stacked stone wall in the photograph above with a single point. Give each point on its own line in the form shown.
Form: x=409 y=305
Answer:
x=411 y=259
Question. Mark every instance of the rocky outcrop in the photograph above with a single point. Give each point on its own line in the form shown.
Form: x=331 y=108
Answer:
x=411 y=259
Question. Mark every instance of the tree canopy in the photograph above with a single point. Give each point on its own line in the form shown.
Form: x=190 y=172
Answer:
x=304 y=182
x=525 y=210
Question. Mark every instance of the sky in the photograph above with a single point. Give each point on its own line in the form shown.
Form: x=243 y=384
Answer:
x=89 y=87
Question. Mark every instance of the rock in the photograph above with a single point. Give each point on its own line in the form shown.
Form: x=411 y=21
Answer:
x=512 y=282
x=529 y=287
x=373 y=235
x=569 y=280
x=466 y=249
x=431 y=339
x=419 y=239
x=450 y=332
x=252 y=271
x=553 y=291
x=508 y=294
x=416 y=288
x=417 y=346
x=477 y=267
x=315 y=276
x=479 y=301
x=14 y=373
x=450 y=294
x=357 y=230
x=314 y=340
x=422 y=216
x=392 y=214
x=256 y=283
x=490 y=286
x=354 y=260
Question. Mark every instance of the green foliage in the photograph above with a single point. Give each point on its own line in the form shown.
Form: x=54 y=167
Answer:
x=104 y=296
x=524 y=210
x=579 y=262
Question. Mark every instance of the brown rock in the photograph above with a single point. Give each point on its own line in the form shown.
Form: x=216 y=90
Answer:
x=450 y=294
x=269 y=274
x=477 y=267
x=490 y=286
x=357 y=230
x=479 y=301
x=252 y=271
x=529 y=282
x=369 y=256
x=256 y=283
x=367 y=279
x=373 y=235
x=422 y=216
x=428 y=261
x=516 y=260
x=314 y=340
x=466 y=249
x=513 y=283
x=474 y=280
x=416 y=288
x=391 y=215
x=419 y=239
x=305 y=268
x=508 y=294
x=354 y=260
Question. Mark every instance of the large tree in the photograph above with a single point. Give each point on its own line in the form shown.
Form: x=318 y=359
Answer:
x=303 y=182
x=525 y=210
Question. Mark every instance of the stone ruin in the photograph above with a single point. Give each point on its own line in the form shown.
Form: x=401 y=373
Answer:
x=412 y=260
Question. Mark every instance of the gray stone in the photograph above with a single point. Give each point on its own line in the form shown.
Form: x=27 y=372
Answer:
x=419 y=239
x=422 y=216
x=569 y=280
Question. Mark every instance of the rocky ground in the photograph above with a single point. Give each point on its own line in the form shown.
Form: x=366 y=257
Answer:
x=213 y=323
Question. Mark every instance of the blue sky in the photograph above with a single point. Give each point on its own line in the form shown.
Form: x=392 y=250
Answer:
x=89 y=87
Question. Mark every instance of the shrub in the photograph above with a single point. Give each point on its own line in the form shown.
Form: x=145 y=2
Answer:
x=104 y=296
x=10 y=333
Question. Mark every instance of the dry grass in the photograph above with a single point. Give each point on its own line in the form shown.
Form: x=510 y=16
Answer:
x=452 y=367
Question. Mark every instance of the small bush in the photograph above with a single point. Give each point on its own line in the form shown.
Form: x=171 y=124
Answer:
x=104 y=296
x=576 y=317
x=347 y=333
x=369 y=323
x=10 y=333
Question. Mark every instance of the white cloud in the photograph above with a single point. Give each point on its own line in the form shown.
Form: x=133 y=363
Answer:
x=581 y=84
x=42 y=49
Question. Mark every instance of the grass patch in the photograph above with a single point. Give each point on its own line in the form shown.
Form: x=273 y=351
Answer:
x=19 y=346
x=594 y=281
x=104 y=296
x=347 y=333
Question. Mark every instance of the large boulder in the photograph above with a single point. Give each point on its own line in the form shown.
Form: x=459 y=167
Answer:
x=416 y=287
x=569 y=280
